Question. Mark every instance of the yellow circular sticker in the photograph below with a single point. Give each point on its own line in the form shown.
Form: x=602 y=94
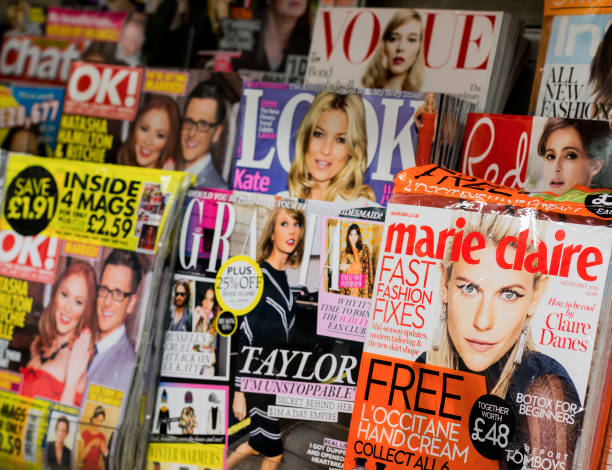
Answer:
x=239 y=285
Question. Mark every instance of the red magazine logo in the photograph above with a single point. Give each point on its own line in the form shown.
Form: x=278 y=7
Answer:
x=38 y=59
x=443 y=31
x=102 y=90
x=31 y=258
x=497 y=148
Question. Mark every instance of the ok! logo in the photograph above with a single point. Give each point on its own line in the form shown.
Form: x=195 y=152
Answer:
x=103 y=90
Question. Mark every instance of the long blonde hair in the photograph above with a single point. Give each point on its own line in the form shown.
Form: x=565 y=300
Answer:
x=347 y=184
x=494 y=228
x=377 y=71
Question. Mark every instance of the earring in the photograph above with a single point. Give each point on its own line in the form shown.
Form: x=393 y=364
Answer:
x=521 y=346
x=438 y=333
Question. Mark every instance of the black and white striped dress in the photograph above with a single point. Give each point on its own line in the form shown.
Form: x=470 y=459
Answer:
x=268 y=326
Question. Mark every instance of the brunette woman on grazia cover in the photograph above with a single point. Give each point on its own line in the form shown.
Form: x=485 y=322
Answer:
x=269 y=326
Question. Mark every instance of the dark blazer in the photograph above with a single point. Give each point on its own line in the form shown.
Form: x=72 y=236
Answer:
x=52 y=463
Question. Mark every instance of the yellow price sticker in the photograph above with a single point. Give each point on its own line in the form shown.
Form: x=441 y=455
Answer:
x=239 y=285
x=89 y=203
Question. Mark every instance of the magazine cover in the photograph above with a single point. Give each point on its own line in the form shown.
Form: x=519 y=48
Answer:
x=96 y=25
x=102 y=37
x=38 y=59
x=573 y=73
x=24 y=17
x=77 y=279
x=538 y=154
x=29 y=118
x=176 y=119
x=341 y=145
x=295 y=353
x=271 y=40
x=448 y=51
x=350 y=249
x=482 y=333
x=192 y=397
x=113 y=36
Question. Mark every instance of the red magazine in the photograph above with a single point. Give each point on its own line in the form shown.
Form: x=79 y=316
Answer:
x=536 y=153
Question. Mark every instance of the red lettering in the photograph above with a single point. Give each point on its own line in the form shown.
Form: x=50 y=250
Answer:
x=466 y=40
x=374 y=37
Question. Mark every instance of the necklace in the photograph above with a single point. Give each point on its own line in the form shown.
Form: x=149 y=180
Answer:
x=44 y=359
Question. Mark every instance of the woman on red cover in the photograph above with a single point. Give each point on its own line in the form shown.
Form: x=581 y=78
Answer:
x=426 y=120
x=398 y=63
x=485 y=329
x=356 y=259
x=61 y=350
x=331 y=151
x=92 y=445
x=269 y=326
x=575 y=152
x=154 y=137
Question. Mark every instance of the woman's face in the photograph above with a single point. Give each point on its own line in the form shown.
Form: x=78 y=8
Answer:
x=208 y=302
x=151 y=136
x=566 y=162
x=98 y=420
x=61 y=431
x=327 y=154
x=487 y=307
x=131 y=39
x=70 y=302
x=429 y=99
x=353 y=237
x=286 y=234
x=402 y=47
x=289 y=8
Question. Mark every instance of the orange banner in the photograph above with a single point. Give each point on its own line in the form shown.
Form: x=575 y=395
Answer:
x=577 y=7
x=432 y=180
x=413 y=415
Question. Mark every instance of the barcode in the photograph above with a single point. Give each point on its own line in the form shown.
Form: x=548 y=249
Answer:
x=30 y=442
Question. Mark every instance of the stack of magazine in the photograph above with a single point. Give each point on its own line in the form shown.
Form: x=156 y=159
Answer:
x=573 y=71
x=80 y=268
x=489 y=336
x=259 y=344
x=466 y=53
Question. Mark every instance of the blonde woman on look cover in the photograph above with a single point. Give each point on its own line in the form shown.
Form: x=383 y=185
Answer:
x=330 y=157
